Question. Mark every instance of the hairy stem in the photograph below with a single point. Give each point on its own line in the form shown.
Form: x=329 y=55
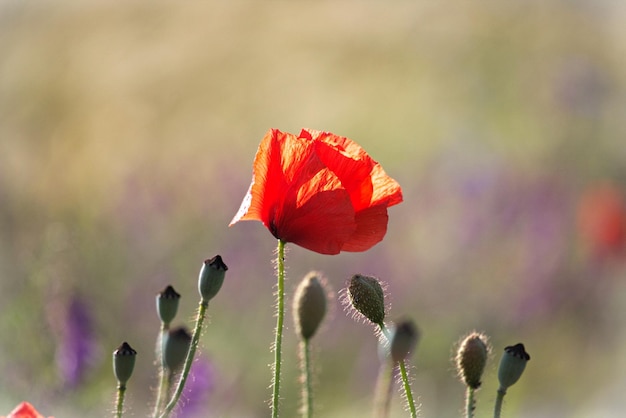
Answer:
x=119 y=405
x=195 y=339
x=278 y=332
x=405 y=376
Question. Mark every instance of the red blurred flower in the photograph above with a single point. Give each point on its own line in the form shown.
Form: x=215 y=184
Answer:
x=602 y=219
x=320 y=191
x=24 y=410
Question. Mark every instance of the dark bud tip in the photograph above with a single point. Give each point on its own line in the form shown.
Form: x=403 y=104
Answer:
x=309 y=305
x=367 y=297
x=211 y=277
x=124 y=362
x=167 y=304
x=512 y=365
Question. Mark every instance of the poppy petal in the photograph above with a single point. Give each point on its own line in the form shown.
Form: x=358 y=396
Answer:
x=386 y=190
x=322 y=224
x=353 y=173
x=371 y=227
x=280 y=160
x=25 y=410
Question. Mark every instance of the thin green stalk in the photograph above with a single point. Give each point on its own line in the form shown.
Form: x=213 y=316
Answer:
x=195 y=339
x=407 y=390
x=158 y=406
x=278 y=332
x=119 y=405
x=498 y=406
x=307 y=395
x=470 y=403
x=408 y=393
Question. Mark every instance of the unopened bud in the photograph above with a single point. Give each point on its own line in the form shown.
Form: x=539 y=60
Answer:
x=471 y=359
x=211 y=277
x=367 y=297
x=167 y=304
x=175 y=347
x=309 y=305
x=404 y=338
x=124 y=362
x=512 y=365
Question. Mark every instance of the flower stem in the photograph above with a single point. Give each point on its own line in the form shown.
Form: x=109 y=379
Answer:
x=162 y=376
x=407 y=390
x=278 y=332
x=498 y=405
x=470 y=403
x=405 y=377
x=119 y=405
x=307 y=395
x=195 y=339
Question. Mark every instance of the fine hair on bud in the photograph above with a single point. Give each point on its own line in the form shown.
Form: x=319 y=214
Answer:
x=365 y=297
x=310 y=304
x=471 y=358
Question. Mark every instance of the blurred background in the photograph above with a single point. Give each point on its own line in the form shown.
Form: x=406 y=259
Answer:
x=127 y=134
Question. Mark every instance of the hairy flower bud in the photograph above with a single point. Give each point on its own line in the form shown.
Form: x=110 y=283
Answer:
x=512 y=365
x=367 y=297
x=309 y=305
x=471 y=358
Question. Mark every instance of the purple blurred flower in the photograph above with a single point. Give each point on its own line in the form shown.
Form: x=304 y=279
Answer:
x=198 y=389
x=76 y=346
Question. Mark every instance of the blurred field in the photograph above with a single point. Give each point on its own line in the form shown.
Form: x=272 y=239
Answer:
x=127 y=133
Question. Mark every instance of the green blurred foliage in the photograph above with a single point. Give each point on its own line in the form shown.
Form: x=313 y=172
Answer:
x=127 y=132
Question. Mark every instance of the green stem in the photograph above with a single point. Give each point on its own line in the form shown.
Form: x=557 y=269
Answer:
x=498 y=406
x=278 y=333
x=405 y=376
x=307 y=396
x=119 y=407
x=162 y=376
x=407 y=390
x=470 y=403
x=204 y=304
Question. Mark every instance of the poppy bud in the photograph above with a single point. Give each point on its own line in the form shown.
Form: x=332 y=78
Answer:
x=167 y=304
x=124 y=362
x=471 y=358
x=404 y=337
x=175 y=347
x=367 y=297
x=512 y=365
x=211 y=277
x=309 y=305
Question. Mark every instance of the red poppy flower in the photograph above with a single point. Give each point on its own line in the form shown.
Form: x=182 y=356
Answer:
x=24 y=410
x=602 y=219
x=319 y=191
